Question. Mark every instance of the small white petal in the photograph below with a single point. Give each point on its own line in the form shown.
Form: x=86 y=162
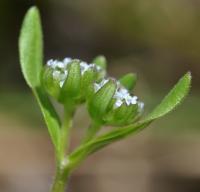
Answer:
x=63 y=76
x=98 y=67
x=56 y=74
x=96 y=87
x=92 y=65
x=60 y=64
x=118 y=103
x=61 y=83
x=124 y=91
x=103 y=82
x=84 y=67
x=67 y=60
x=134 y=100
x=66 y=72
x=49 y=63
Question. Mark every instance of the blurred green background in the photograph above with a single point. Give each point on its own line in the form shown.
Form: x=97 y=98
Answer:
x=157 y=39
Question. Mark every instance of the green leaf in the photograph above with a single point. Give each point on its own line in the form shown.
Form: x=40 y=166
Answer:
x=175 y=97
x=31 y=47
x=50 y=116
x=98 y=143
x=128 y=81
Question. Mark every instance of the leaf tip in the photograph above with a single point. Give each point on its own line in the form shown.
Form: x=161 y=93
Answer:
x=189 y=75
x=33 y=9
x=188 y=79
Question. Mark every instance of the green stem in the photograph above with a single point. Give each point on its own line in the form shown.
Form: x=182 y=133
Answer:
x=62 y=170
x=65 y=133
x=65 y=130
x=92 y=131
x=61 y=179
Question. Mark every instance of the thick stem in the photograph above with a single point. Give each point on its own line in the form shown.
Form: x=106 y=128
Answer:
x=60 y=181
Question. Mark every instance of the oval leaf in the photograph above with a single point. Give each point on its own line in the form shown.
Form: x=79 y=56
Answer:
x=31 y=47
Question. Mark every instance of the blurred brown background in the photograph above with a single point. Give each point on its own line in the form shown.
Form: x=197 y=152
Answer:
x=157 y=39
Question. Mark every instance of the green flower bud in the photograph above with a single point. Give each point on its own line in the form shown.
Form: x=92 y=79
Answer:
x=87 y=83
x=99 y=103
x=123 y=115
x=128 y=81
x=100 y=61
x=119 y=106
x=71 y=86
x=50 y=84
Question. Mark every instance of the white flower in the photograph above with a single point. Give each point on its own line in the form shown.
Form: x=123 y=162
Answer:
x=122 y=95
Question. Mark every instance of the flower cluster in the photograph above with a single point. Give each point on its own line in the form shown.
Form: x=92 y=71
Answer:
x=60 y=68
x=109 y=100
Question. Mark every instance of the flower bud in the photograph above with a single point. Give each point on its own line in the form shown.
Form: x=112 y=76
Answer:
x=128 y=81
x=71 y=85
x=119 y=106
x=100 y=101
x=51 y=85
x=100 y=61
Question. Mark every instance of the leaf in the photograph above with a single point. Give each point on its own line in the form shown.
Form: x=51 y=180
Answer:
x=100 y=142
x=50 y=116
x=175 y=96
x=31 y=47
x=128 y=81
